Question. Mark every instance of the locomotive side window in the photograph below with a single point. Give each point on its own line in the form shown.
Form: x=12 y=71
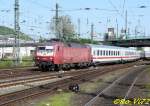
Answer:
x=58 y=48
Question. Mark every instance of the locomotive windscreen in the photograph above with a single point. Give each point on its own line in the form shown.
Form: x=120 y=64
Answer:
x=45 y=50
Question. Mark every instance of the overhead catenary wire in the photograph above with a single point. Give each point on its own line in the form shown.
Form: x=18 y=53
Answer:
x=116 y=9
x=123 y=7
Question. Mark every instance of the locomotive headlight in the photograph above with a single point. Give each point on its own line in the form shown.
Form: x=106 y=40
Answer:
x=51 y=58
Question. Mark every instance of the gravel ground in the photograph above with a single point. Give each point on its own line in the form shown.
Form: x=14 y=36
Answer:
x=78 y=98
x=95 y=86
x=89 y=89
x=140 y=90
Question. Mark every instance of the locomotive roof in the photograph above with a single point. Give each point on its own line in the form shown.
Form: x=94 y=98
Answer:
x=67 y=44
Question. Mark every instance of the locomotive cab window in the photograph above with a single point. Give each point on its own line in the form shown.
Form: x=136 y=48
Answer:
x=47 y=50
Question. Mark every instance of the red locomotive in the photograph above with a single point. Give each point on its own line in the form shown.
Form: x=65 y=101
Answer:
x=56 y=55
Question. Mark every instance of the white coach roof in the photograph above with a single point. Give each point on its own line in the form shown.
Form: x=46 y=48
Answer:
x=108 y=47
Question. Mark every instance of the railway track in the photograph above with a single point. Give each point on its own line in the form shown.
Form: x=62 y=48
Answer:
x=16 y=72
x=119 y=89
x=35 y=78
x=79 y=77
x=29 y=71
x=7 y=82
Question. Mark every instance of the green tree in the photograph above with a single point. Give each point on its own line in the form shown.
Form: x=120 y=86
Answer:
x=64 y=27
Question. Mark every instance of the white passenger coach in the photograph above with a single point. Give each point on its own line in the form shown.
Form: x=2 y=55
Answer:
x=109 y=54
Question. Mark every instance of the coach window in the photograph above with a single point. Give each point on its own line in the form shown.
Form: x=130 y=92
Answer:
x=97 y=52
x=94 y=52
x=109 y=53
x=101 y=52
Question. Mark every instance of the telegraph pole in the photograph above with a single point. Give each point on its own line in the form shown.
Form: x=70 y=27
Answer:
x=117 y=29
x=56 y=22
x=92 y=31
x=126 y=23
x=79 y=28
x=16 y=50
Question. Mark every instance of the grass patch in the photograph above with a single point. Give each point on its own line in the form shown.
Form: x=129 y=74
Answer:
x=9 y=63
x=27 y=61
x=6 y=64
x=89 y=87
x=148 y=86
x=61 y=99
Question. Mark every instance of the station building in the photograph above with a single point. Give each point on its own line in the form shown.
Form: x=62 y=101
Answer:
x=7 y=46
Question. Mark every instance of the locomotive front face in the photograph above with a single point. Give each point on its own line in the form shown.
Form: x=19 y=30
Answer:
x=45 y=53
